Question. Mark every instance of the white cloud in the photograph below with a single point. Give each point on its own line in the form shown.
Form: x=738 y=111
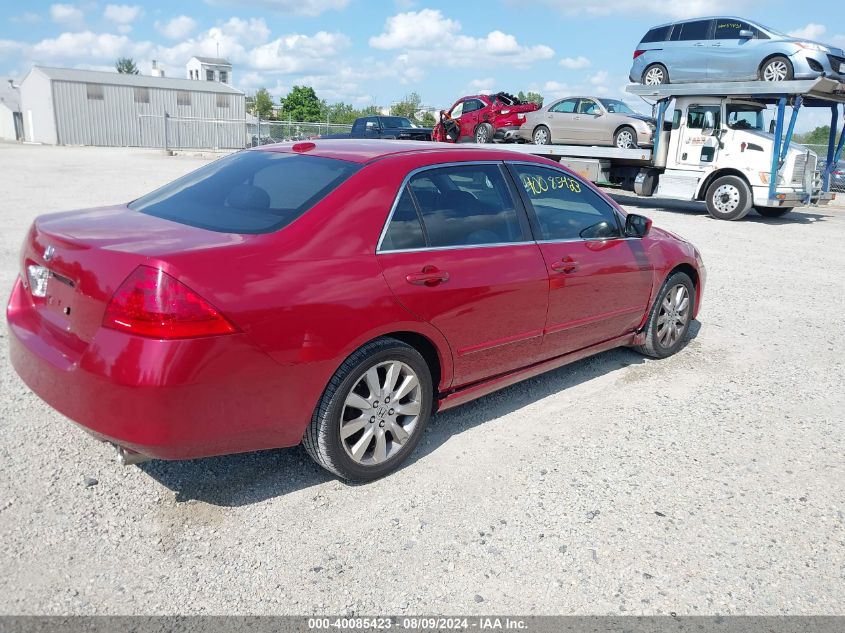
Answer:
x=554 y=90
x=298 y=53
x=428 y=37
x=600 y=78
x=575 y=63
x=122 y=13
x=178 y=28
x=66 y=14
x=26 y=18
x=481 y=86
x=86 y=46
x=297 y=7
x=811 y=31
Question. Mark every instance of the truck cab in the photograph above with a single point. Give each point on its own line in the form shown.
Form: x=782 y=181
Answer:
x=710 y=138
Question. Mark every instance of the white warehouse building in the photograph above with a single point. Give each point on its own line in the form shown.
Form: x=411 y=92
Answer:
x=62 y=106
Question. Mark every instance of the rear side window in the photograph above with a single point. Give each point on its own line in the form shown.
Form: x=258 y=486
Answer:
x=698 y=30
x=467 y=205
x=247 y=192
x=658 y=34
x=566 y=106
x=565 y=207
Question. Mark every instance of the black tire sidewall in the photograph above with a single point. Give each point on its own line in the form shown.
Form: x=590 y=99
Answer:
x=331 y=418
x=745 y=198
x=772 y=212
x=548 y=135
x=654 y=343
x=633 y=137
x=790 y=69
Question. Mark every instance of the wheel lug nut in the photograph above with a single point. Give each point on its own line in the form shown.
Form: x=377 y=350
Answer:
x=372 y=419
x=387 y=400
x=390 y=412
x=375 y=404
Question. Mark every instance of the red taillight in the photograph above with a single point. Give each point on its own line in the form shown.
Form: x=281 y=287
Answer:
x=152 y=303
x=637 y=53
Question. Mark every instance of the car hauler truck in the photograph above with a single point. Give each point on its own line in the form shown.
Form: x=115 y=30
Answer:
x=711 y=144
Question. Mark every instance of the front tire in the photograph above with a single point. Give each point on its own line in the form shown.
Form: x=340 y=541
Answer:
x=778 y=68
x=373 y=411
x=655 y=75
x=670 y=317
x=729 y=198
x=773 y=212
x=625 y=138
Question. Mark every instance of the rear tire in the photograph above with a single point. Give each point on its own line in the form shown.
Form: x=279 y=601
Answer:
x=371 y=440
x=773 y=212
x=542 y=136
x=729 y=198
x=655 y=75
x=777 y=68
x=484 y=133
x=625 y=138
x=670 y=317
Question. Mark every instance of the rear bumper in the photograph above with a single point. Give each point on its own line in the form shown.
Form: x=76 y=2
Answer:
x=166 y=399
x=506 y=134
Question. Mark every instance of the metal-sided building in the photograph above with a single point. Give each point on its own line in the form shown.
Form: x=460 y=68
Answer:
x=63 y=106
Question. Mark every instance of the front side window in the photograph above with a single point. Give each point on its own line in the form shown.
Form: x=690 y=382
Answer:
x=567 y=106
x=565 y=207
x=466 y=205
x=588 y=106
x=698 y=30
x=457 y=111
x=247 y=192
x=615 y=106
x=729 y=29
x=697 y=117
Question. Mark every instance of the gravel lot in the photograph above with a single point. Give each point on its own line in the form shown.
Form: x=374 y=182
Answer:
x=711 y=482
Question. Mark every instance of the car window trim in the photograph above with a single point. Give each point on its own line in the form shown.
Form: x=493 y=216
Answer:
x=521 y=212
x=532 y=214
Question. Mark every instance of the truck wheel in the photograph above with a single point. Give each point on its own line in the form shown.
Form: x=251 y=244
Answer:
x=484 y=133
x=373 y=412
x=778 y=68
x=625 y=138
x=729 y=198
x=772 y=212
x=542 y=136
x=655 y=75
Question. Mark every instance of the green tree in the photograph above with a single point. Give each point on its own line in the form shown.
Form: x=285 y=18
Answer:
x=126 y=66
x=262 y=104
x=302 y=104
x=428 y=120
x=534 y=97
x=819 y=136
x=408 y=106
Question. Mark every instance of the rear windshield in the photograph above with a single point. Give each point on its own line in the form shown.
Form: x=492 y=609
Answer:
x=247 y=192
x=396 y=121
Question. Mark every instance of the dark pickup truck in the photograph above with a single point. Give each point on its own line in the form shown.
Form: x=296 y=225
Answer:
x=390 y=127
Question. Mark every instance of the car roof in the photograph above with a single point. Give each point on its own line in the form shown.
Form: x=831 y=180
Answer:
x=367 y=150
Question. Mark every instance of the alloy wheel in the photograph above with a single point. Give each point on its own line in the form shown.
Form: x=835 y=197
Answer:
x=625 y=140
x=775 y=71
x=481 y=134
x=541 y=137
x=674 y=316
x=654 y=76
x=381 y=412
x=726 y=199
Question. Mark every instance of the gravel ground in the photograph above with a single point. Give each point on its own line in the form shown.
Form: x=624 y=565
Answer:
x=711 y=482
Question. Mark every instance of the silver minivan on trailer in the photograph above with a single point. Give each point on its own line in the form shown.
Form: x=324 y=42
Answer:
x=730 y=49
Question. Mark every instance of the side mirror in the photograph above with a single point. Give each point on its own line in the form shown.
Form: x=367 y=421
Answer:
x=771 y=127
x=637 y=225
x=745 y=34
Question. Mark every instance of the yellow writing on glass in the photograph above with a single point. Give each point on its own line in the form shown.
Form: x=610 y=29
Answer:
x=538 y=185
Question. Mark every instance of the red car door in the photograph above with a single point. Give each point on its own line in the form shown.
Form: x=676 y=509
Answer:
x=470 y=118
x=457 y=253
x=599 y=281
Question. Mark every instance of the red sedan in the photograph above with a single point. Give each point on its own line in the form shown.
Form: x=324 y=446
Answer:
x=334 y=293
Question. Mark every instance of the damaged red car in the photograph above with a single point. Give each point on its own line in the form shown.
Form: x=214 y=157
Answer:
x=334 y=293
x=483 y=119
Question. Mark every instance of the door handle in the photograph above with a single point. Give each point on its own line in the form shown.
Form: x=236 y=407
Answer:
x=715 y=45
x=430 y=276
x=699 y=44
x=567 y=265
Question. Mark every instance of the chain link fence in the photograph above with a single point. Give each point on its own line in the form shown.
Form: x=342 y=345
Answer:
x=261 y=132
x=178 y=133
